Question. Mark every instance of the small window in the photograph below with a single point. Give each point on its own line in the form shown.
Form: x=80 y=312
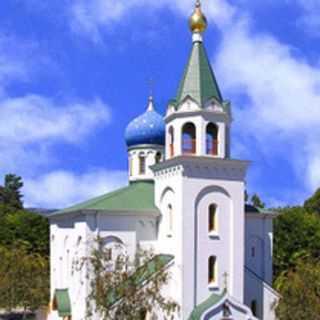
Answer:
x=142 y=164
x=253 y=252
x=212 y=218
x=254 y=307
x=212 y=270
x=158 y=157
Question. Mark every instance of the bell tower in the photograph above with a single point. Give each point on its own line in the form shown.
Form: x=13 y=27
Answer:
x=198 y=119
x=198 y=188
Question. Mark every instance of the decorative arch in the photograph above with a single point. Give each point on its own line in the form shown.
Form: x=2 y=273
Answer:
x=189 y=138
x=201 y=195
x=212 y=131
x=167 y=209
x=164 y=192
x=111 y=239
x=113 y=247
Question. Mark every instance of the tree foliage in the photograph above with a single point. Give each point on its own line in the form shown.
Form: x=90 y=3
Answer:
x=296 y=235
x=18 y=225
x=22 y=226
x=257 y=202
x=24 y=279
x=10 y=192
x=116 y=288
x=300 y=292
x=312 y=204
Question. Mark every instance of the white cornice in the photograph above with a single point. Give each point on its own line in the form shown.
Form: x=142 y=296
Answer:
x=203 y=167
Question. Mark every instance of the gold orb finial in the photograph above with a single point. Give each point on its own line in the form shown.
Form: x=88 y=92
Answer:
x=198 y=21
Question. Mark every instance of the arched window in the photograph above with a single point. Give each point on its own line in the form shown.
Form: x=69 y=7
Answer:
x=171 y=142
x=158 y=157
x=212 y=139
x=189 y=139
x=142 y=164
x=254 y=307
x=212 y=216
x=212 y=277
x=113 y=248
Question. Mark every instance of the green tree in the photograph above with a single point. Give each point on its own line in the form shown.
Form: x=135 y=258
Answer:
x=10 y=193
x=296 y=235
x=125 y=289
x=22 y=226
x=24 y=279
x=257 y=202
x=300 y=292
x=313 y=203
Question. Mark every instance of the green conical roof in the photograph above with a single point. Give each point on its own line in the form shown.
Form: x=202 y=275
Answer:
x=199 y=81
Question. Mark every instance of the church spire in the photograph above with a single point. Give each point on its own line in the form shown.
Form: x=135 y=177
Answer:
x=198 y=81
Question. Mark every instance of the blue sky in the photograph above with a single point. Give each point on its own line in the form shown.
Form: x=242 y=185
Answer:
x=74 y=73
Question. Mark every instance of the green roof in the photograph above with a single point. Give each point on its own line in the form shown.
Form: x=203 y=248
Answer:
x=199 y=81
x=62 y=303
x=199 y=310
x=138 y=196
x=138 y=278
x=249 y=208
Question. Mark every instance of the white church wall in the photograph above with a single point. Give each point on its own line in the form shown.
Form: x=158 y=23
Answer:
x=72 y=238
x=260 y=293
x=259 y=239
x=68 y=236
x=191 y=194
x=168 y=190
x=228 y=247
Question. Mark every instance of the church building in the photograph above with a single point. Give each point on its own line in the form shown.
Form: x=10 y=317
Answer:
x=185 y=198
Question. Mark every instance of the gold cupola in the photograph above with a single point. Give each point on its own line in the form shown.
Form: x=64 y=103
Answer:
x=198 y=21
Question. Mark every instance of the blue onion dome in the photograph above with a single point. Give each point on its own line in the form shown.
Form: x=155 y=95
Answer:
x=149 y=128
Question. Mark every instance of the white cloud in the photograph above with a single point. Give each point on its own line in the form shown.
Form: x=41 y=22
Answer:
x=35 y=118
x=283 y=112
x=93 y=18
x=31 y=125
x=60 y=189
